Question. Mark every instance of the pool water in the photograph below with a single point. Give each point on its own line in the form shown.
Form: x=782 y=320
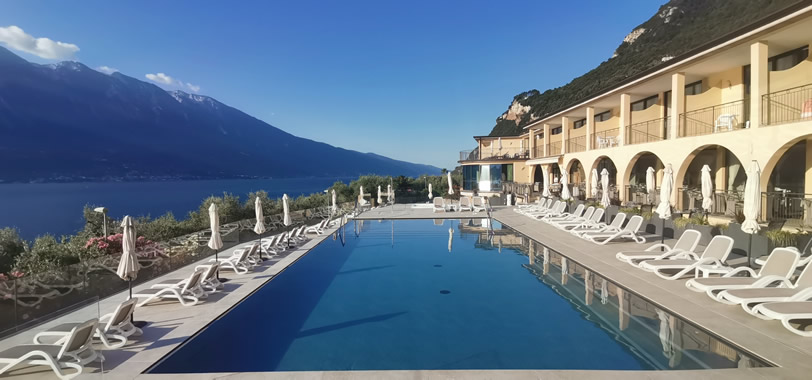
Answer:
x=443 y=294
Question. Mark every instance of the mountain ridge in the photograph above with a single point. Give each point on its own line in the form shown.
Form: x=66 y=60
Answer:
x=67 y=121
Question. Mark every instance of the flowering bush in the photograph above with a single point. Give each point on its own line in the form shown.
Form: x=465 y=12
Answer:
x=113 y=245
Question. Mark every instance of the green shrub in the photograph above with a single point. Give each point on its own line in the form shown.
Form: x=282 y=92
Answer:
x=698 y=220
x=647 y=215
x=681 y=222
x=11 y=246
x=782 y=238
x=630 y=210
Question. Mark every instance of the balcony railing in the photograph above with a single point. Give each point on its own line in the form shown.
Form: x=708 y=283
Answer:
x=576 y=144
x=647 y=131
x=498 y=154
x=538 y=151
x=554 y=148
x=606 y=139
x=468 y=155
x=719 y=118
x=791 y=105
x=787 y=206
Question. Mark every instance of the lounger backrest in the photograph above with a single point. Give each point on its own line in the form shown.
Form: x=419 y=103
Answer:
x=579 y=210
x=597 y=216
x=688 y=241
x=719 y=247
x=477 y=201
x=588 y=212
x=781 y=262
x=617 y=222
x=211 y=271
x=804 y=279
x=634 y=224
x=465 y=201
x=438 y=202
x=194 y=279
x=561 y=207
x=79 y=338
x=122 y=313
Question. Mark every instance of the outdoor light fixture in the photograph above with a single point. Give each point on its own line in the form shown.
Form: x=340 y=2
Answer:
x=103 y=211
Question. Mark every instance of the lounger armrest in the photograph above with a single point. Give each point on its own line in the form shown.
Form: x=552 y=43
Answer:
x=675 y=254
x=739 y=270
x=658 y=246
x=803 y=295
x=690 y=255
x=767 y=280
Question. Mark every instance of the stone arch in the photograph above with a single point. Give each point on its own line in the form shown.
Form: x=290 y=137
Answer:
x=606 y=162
x=634 y=175
x=727 y=172
x=768 y=171
x=783 y=181
x=576 y=172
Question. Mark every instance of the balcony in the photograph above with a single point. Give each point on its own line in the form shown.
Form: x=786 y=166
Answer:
x=715 y=119
x=787 y=106
x=647 y=131
x=498 y=154
x=554 y=148
x=576 y=144
x=606 y=139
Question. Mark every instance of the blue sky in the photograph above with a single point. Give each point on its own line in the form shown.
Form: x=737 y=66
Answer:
x=410 y=80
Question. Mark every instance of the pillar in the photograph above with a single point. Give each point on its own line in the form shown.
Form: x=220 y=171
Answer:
x=720 y=177
x=546 y=139
x=590 y=127
x=625 y=117
x=532 y=143
x=663 y=110
x=565 y=134
x=677 y=103
x=807 y=174
x=759 y=81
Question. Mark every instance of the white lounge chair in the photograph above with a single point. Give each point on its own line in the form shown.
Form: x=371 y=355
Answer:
x=797 y=308
x=585 y=223
x=439 y=204
x=238 y=261
x=541 y=204
x=557 y=210
x=806 y=256
x=317 y=229
x=577 y=213
x=628 y=232
x=752 y=296
x=779 y=267
x=713 y=257
x=189 y=293
x=602 y=228
x=465 y=204
x=478 y=204
x=209 y=282
x=686 y=243
x=118 y=328
x=75 y=351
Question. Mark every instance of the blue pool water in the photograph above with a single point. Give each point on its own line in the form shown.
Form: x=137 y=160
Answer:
x=395 y=298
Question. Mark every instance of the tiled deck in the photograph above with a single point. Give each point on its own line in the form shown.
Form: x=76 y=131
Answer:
x=171 y=324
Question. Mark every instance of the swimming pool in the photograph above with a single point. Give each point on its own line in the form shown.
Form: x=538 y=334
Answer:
x=444 y=294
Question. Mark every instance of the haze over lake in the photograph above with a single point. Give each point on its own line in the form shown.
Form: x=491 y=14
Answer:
x=56 y=208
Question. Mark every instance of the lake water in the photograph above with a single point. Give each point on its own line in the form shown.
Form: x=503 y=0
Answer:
x=56 y=208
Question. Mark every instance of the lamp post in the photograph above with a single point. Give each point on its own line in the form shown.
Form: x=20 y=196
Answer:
x=103 y=211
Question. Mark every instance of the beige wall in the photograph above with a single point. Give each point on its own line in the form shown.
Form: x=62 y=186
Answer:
x=799 y=75
x=730 y=84
x=651 y=113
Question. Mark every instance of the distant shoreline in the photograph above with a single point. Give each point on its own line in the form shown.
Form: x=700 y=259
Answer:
x=156 y=179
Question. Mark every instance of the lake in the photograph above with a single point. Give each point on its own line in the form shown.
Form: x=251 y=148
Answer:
x=56 y=208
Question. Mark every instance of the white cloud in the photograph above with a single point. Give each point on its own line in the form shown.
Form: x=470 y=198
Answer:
x=107 y=69
x=17 y=39
x=169 y=81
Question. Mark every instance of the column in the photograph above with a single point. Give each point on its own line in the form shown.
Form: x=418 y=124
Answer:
x=565 y=134
x=759 y=81
x=546 y=139
x=677 y=102
x=532 y=143
x=720 y=177
x=590 y=127
x=661 y=102
x=625 y=117
x=808 y=176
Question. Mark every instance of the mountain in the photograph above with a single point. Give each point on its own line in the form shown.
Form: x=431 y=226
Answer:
x=66 y=121
x=678 y=27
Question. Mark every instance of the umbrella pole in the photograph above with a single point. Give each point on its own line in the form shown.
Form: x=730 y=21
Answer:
x=260 y=248
x=217 y=260
x=135 y=323
x=749 y=248
x=662 y=235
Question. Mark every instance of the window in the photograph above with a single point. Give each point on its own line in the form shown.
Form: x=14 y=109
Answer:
x=788 y=60
x=470 y=177
x=746 y=75
x=693 y=88
x=606 y=115
x=578 y=124
x=555 y=131
x=645 y=103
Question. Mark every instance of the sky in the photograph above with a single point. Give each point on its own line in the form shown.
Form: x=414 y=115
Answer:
x=411 y=80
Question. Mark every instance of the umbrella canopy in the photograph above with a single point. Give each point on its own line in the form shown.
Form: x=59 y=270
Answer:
x=605 y=202
x=259 y=227
x=752 y=199
x=450 y=238
x=215 y=242
x=380 y=200
x=664 y=208
x=546 y=193
x=565 y=190
x=649 y=180
x=334 y=200
x=431 y=195
x=389 y=195
x=361 y=194
x=450 y=185
x=707 y=188
x=595 y=183
x=128 y=266
x=286 y=210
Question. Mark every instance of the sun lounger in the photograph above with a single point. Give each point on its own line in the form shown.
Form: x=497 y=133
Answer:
x=318 y=229
x=798 y=308
x=585 y=223
x=628 y=232
x=774 y=292
x=780 y=265
x=686 y=243
x=478 y=204
x=209 y=282
x=583 y=216
x=713 y=257
x=465 y=204
x=118 y=328
x=542 y=204
x=557 y=210
x=238 y=261
x=188 y=292
x=806 y=255
x=614 y=227
x=439 y=204
x=577 y=213
x=75 y=351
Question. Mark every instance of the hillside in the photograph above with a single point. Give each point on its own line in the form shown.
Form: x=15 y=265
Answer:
x=66 y=122
x=678 y=27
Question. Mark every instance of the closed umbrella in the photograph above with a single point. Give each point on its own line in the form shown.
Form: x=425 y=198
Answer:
x=128 y=265
x=380 y=200
x=650 y=184
x=450 y=238
x=450 y=185
x=335 y=207
x=389 y=193
x=259 y=227
x=215 y=242
x=595 y=180
x=431 y=195
x=546 y=192
x=605 y=202
x=664 y=208
x=752 y=204
x=707 y=189
x=361 y=195
x=565 y=190
x=286 y=214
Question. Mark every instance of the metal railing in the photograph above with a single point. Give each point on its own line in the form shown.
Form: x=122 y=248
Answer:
x=469 y=155
x=638 y=195
x=504 y=154
x=790 y=105
x=781 y=205
x=554 y=149
x=539 y=151
x=719 y=118
x=576 y=144
x=647 y=131
x=724 y=202
x=606 y=139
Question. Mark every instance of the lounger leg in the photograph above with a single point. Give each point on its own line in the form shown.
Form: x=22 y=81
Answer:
x=791 y=328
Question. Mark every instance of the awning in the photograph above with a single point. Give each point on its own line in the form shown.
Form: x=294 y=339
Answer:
x=542 y=161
